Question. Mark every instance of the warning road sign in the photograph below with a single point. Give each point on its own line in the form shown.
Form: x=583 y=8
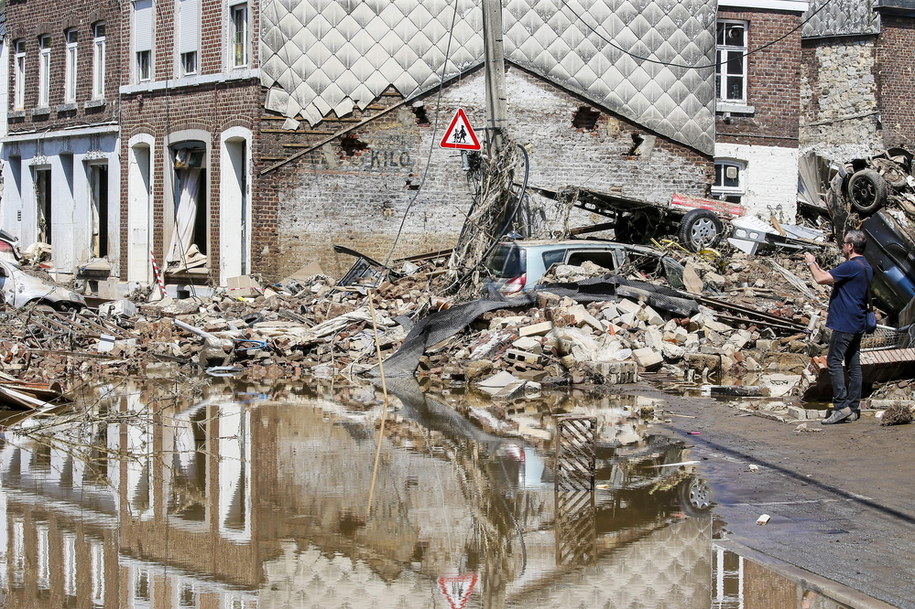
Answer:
x=457 y=589
x=460 y=134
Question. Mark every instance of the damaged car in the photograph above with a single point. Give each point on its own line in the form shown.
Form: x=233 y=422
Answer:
x=518 y=266
x=20 y=287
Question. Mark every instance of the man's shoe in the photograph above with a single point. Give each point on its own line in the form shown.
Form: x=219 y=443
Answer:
x=837 y=416
x=854 y=416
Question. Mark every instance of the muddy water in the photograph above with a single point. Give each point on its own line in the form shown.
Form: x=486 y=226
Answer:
x=218 y=495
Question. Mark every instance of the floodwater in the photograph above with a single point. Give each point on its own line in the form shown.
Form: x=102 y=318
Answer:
x=226 y=496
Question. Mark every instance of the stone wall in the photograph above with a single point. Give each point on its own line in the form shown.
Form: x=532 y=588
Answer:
x=840 y=118
x=388 y=188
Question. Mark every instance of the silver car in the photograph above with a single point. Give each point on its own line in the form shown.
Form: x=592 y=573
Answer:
x=518 y=266
x=20 y=288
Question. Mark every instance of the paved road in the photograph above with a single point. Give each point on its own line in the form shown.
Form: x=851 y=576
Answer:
x=841 y=500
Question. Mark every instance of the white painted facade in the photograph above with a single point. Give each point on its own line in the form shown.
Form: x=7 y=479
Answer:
x=72 y=157
x=769 y=179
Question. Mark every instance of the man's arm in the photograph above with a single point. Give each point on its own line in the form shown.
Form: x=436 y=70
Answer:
x=819 y=275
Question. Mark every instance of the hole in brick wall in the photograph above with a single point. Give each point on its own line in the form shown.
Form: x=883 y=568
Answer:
x=421 y=117
x=585 y=118
x=352 y=145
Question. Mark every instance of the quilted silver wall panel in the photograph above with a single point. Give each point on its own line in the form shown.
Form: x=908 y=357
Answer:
x=320 y=56
x=840 y=18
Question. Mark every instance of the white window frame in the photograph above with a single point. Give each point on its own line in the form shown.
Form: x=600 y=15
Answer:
x=725 y=54
x=722 y=191
x=72 y=40
x=19 y=84
x=143 y=37
x=235 y=33
x=188 y=37
x=44 y=71
x=98 y=60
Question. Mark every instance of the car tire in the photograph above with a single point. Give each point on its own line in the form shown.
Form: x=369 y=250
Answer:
x=867 y=191
x=700 y=228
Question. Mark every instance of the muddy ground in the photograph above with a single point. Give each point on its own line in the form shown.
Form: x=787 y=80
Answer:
x=841 y=499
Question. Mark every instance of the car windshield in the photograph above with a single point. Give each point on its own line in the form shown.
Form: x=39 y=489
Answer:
x=505 y=261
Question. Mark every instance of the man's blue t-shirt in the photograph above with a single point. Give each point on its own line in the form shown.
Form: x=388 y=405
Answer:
x=848 y=301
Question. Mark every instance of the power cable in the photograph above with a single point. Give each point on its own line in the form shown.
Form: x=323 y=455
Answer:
x=699 y=67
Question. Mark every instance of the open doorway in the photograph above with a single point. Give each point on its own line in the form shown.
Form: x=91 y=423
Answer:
x=43 y=203
x=98 y=194
x=235 y=208
x=189 y=242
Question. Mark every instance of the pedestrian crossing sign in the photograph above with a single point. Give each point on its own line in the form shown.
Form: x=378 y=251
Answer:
x=460 y=134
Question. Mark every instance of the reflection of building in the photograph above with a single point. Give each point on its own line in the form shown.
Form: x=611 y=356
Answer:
x=226 y=504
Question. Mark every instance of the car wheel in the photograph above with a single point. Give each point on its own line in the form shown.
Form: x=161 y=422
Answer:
x=700 y=228
x=695 y=496
x=867 y=190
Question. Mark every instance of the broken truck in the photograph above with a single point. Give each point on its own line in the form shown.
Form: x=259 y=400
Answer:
x=698 y=223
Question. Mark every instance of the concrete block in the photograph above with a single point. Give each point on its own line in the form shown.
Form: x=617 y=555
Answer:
x=627 y=306
x=796 y=412
x=528 y=343
x=536 y=329
x=648 y=358
x=516 y=355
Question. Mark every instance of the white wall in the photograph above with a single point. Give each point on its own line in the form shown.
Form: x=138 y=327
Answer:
x=71 y=214
x=770 y=178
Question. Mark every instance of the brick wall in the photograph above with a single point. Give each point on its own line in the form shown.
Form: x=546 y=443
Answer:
x=212 y=107
x=29 y=19
x=773 y=81
x=356 y=191
x=895 y=86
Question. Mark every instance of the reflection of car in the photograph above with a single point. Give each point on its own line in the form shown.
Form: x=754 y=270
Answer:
x=649 y=476
x=518 y=266
x=20 y=288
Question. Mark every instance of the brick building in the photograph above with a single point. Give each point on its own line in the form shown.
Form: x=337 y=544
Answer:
x=119 y=112
x=758 y=105
x=190 y=105
x=61 y=170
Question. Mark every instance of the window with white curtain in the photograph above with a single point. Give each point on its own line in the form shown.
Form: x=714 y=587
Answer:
x=70 y=69
x=142 y=39
x=188 y=36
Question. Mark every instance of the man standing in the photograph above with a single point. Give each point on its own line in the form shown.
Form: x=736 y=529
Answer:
x=850 y=283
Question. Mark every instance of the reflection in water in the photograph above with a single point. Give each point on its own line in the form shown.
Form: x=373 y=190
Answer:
x=160 y=500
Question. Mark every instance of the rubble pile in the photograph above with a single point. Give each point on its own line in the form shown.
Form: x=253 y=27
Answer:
x=310 y=327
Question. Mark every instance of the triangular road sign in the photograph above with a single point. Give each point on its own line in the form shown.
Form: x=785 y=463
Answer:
x=460 y=134
x=457 y=589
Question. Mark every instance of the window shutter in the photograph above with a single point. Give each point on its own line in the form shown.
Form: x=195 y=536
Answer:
x=143 y=25
x=190 y=25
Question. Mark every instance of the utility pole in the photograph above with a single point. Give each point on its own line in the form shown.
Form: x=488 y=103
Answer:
x=494 y=58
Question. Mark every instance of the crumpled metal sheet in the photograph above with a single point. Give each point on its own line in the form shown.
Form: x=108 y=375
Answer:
x=840 y=18
x=322 y=56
